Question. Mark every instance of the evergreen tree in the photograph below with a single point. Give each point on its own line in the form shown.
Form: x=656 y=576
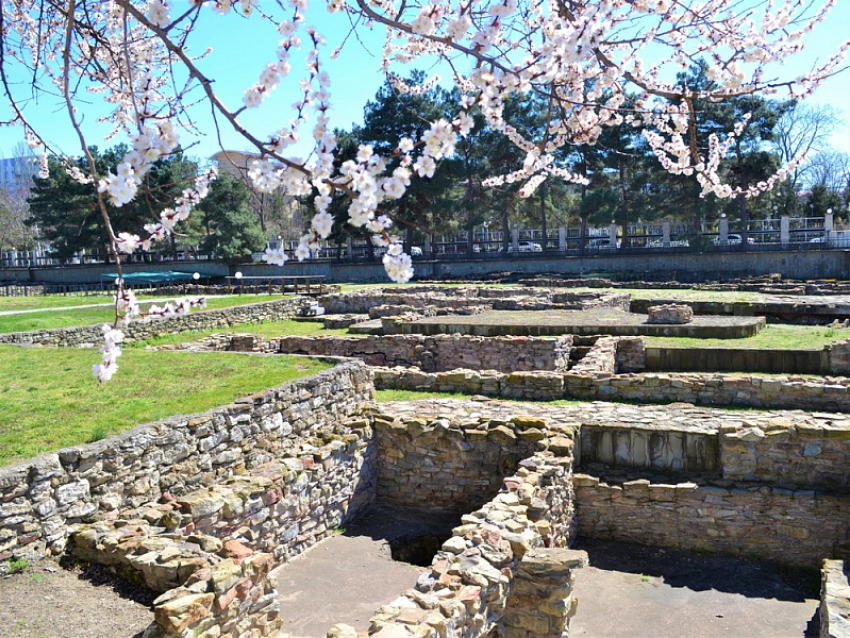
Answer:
x=234 y=232
x=67 y=212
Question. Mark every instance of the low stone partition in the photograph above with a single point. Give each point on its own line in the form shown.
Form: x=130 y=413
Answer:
x=137 y=329
x=839 y=357
x=670 y=313
x=799 y=527
x=531 y=386
x=832 y=394
x=715 y=359
x=390 y=310
x=441 y=352
x=42 y=499
x=787 y=451
x=504 y=569
x=631 y=354
x=788 y=392
x=834 y=611
x=459 y=298
x=601 y=359
x=443 y=464
x=587 y=299
x=211 y=588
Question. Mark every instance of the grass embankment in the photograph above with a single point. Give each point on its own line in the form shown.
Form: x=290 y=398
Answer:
x=386 y=396
x=46 y=319
x=773 y=337
x=49 y=400
x=267 y=329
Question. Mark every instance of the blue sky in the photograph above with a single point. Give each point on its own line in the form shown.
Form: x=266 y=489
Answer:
x=243 y=47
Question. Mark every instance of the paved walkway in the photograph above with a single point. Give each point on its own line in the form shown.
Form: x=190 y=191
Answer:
x=346 y=577
x=631 y=591
x=628 y=591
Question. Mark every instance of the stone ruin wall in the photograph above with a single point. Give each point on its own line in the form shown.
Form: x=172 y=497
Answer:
x=435 y=463
x=440 y=352
x=834 y=611
x=230 y=524
x=506 y=567
x=469 y=299
x=592 y=379
x=216 y=552
x=43 y=498
x=793 y=527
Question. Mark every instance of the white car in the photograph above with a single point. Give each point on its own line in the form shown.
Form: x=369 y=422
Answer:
x=415 y=251
x=529 y=247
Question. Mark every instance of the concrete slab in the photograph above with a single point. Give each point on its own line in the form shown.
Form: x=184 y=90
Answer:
x=604 y=321
x=346 y=577
x=631 y=591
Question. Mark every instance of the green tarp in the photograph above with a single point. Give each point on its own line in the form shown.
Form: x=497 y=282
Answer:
x=162 y=277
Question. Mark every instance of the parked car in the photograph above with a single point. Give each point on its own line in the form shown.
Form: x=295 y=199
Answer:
x=674 y=243
x=529 y=247
x=415 y=251
x=733 y=239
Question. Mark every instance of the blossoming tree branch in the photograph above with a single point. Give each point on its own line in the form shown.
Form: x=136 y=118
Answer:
x=594 y=63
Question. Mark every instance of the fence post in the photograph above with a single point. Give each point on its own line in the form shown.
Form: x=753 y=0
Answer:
x=515 y=239
x=724 y=231
x=612 y=234
x=665 y=230
x=562 y=239
x=784 y=230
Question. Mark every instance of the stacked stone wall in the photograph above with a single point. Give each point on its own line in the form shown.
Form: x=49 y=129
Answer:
x=834 y=612
x=670 y=313
x=212 y=550
x=441 y=352
x=799 y=527
x=786 y=451
x=790 y=392
x=600 y=360
x=44 y=497
x=137 y=330
x=437 y=463
x=631 y=354
x=839 y=357
x=532 y=386
x=504 y=569
x=458 y=299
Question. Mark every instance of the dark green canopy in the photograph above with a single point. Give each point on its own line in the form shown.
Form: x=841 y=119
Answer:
x=165 y=276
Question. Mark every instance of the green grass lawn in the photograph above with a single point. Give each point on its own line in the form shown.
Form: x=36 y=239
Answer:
x=50 y=400
x=725 y=296
x=266 y=329
x=49 y=319
x=385 y=396
x=774 y=336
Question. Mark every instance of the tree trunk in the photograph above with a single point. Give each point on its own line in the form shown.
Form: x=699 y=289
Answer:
x=543 y=189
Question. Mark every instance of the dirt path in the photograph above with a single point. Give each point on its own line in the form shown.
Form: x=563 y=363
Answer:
x=51 y=601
